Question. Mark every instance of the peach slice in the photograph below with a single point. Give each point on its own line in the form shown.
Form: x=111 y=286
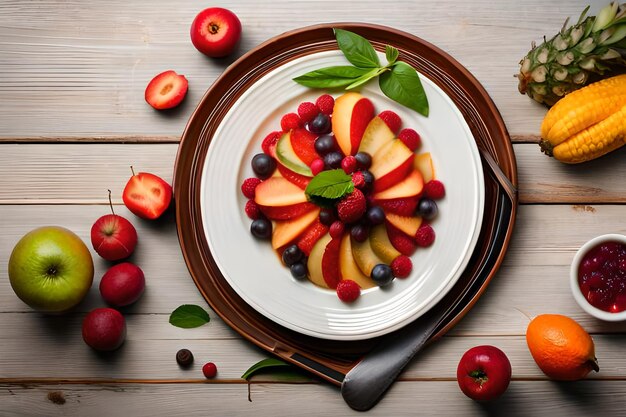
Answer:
x=411 y=186
x=391 y=164
x=424 y=164
x=314 y=264
x=351 y=115
x=277 y=191
x=376 y=135
x=364 y=256
x=381 y=245
x=349 y=268
x=408 y=225
x=288 y=230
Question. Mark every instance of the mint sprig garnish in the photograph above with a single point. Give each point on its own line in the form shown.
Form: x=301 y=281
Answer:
x=329 y=186
x=398 y=80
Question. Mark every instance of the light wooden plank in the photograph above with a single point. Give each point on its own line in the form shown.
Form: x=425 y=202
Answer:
x=439 y=398
x=81 y=69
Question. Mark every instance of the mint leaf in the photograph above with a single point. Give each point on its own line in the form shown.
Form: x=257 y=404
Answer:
x=357 y=49
x=331 y=184
x=365 y=78
x=189 y=316
x=265 y=364
x=331 y=77
x=402 y=84
x=391 y=54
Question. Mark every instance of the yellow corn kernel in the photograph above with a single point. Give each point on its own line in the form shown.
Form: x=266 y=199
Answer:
x=595 y=141
x=583 y=108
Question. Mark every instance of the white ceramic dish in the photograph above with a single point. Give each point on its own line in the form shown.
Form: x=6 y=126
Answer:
x=253 y=269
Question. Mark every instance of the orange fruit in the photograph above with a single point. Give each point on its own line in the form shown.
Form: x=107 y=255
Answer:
x=562 y=349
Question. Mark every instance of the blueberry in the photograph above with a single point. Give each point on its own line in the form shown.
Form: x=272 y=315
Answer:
x=327 y=217
x=325 y=144
x=261 y=228
x=298 y=270
x=292 y=255
x=333 y=160
x=363 y=159
x=375 y=215
x=359 y=232
x=369 y=179
x=382 y=275
x=427 y=208
x=320 y=124
x=263 y=165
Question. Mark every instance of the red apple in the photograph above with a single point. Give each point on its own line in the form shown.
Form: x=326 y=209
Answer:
x=484 y=373
x=215 y=32
x=104 y=329
x=122 y=284
x=113 y=237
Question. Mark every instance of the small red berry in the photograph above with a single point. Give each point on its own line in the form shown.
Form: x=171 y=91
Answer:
x=434 y=189
x=209 y=370
x=358 y=179
x=401 y=266
x=392 y=120
x=410 y=138
x=336 y=229
x=352 y=207
x=249 y=186
x=252 y=210
x=290 y=121
x=269 y=143
x=325 y=103
x=307 y=111
x=425 y=235
x=317 y=166
x=348 y=164
x=348 y=290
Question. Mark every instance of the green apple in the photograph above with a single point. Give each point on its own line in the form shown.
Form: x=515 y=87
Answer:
x=51 y=269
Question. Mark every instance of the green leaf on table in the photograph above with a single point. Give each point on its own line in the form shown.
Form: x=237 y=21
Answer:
x=402 y=84
x=331 y=77
x=332 y=184
x=269 y=364
x=391 y=54
x=189 y=316
x=357 y=49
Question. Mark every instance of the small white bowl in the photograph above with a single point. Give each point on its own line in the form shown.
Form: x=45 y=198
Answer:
x=578 y=295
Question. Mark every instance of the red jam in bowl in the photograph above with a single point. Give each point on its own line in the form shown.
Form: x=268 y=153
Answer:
x=602 y=276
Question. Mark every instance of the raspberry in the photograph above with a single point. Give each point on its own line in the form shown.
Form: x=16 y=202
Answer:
x=249 y=185
x=290 y=121
x=392 y=120
x=352 y=207
x=317 y=166
x=325 y=103
x=348 y=290
x=307 y=111
x=425 y=236
x=209 y=370
x=336 y=230
x=252 y=210
x=410 y=138
x=401 y=266
x=434 y=189
x=358 y=179
x=348 y=164
x=270 y=141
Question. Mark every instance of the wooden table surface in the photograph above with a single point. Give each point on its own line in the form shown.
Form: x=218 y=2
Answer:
x=73 y=118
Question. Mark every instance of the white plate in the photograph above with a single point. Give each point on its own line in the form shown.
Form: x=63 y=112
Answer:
x=253 y=269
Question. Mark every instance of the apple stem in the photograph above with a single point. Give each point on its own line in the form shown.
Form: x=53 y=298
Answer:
x=111 y=202
x=479 y=376
x=213 y=28
x=132 y=170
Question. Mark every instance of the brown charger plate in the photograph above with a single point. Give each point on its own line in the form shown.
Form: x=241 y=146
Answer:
x=330 y=359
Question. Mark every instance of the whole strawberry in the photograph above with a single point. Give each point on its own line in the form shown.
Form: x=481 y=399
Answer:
x=352 y=207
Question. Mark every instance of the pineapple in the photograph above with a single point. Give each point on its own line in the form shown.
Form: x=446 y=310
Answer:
x=566 y=62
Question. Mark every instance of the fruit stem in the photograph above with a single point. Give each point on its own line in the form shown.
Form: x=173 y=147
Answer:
x=479 y=376
x=593 y=363
x=213 y=28
x=132 y=170
x=111 y=202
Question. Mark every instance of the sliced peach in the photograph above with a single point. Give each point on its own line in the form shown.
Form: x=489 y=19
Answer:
x=287 y=230
x=410 y=186
x=330 y=264
x=424 y=164
x=364 y=256
x=349 y=268
x=391 y=164
x=381 y=245
x=314 y=264
x=351 y=115
x=408 y=225
x=277 y=191
x=376 y=135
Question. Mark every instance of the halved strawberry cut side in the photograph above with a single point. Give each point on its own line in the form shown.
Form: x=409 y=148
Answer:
x=403 y=243
x=402 y=206
x=311 y=236
x=286 y=212
x=303 y=144
x=147 y=195
x=166 y=90
x=330 y=264
x=294 y=178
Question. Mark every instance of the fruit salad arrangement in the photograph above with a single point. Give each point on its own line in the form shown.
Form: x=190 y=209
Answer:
x=342 y=195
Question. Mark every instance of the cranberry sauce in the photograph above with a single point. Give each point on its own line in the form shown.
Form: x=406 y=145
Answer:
x=602 y=277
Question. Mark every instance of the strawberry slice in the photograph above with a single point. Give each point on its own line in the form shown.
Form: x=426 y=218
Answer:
x=293 y=177
x=166 y=90
x=330 y=263
x=147 y=195
x=303 y=144
x=310 y=236
x=403 y=243
x=402 y=206
x=286 y=212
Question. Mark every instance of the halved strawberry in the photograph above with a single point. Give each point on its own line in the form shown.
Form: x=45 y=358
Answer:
x=166 y=90
x=403 y=206
x=310 y=236
x=286 y=212
x=403 y=243
x=147 y=195
x=303 y=144
x=294 y=178
x=330 y=264
x=269 y=143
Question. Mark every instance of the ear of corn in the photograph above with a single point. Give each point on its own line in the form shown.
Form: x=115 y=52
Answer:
x=587 y=123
